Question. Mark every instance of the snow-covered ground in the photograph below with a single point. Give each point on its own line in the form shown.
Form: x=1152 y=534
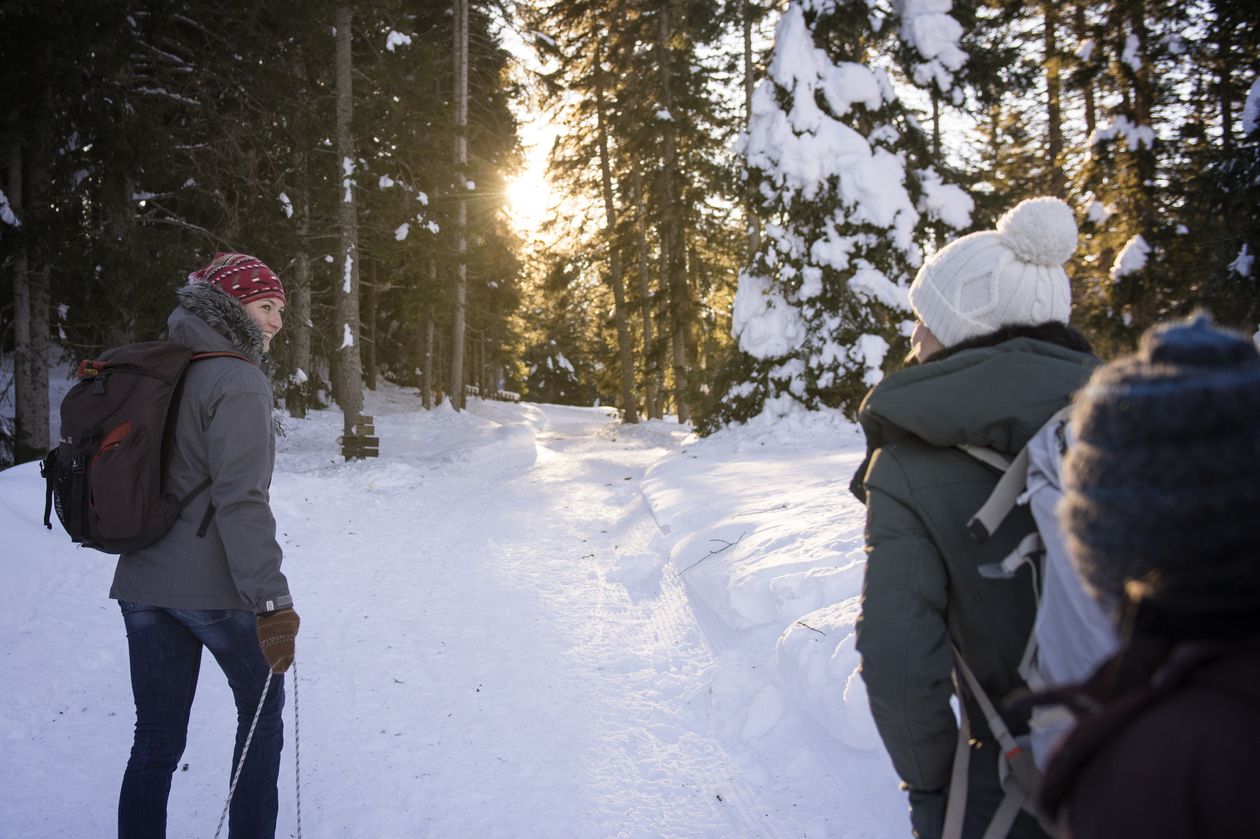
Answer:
x=520 y=621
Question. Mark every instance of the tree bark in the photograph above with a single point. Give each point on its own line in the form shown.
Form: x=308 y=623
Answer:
x=752 y=219
x=652 y=385
x=1087 y=89
x=1143 y=106
x=629 y=411
x=426 y=353
x=671 y=234
x=1055 y=181
x=31 y=279
x=1224 y=76
x=298 y=293
x=369 y=343
x=350 y=379
x=461 y=189
x=25 y=421
x=483 y=381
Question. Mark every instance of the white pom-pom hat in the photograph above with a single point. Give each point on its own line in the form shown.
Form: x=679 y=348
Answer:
x=1003 y=277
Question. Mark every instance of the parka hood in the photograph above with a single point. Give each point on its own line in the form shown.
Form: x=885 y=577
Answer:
x=209 y=319
x=992 y=396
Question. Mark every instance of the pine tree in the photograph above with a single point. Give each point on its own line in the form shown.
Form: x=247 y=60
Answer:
x=1147 y=230
x=654 y=92
x=832 y=159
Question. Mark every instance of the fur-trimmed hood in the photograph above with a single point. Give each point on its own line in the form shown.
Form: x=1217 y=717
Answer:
x=210 y=319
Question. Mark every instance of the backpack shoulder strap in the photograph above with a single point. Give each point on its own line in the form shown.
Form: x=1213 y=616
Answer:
x=1020 y=778
x=1002 y=500
x=204 y=485
x=200 y=356
x=1009 y=487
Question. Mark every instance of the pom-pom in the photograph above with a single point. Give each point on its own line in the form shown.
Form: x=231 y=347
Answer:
x=1197 y=342
x=1041 y=231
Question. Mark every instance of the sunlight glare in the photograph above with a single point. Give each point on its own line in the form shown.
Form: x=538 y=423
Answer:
x=529 y=199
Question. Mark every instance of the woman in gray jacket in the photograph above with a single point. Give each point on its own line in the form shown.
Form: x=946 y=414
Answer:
x=214 y=580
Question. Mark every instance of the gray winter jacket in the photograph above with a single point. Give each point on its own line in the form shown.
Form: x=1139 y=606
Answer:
x=223 y=432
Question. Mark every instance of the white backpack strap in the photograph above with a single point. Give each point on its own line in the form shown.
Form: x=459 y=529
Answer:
x=1005 y=815
x=997 y=725
x=1022 y=778
x=1002 y=500
x=1009 y=487
x=956 y=802
x=986 y=455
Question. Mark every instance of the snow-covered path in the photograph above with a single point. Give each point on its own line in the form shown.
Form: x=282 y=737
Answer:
x=497 y=640
x=519 y=687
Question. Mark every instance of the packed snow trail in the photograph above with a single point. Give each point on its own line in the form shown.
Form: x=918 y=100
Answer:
x=520 y=691
x=495 y=642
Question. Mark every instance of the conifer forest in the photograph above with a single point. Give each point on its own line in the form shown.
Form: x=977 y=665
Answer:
x=685 y=208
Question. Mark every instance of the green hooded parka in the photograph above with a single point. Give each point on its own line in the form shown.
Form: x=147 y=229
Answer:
x=922 y=589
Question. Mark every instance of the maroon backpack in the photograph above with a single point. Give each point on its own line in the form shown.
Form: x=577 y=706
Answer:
x=105 y=478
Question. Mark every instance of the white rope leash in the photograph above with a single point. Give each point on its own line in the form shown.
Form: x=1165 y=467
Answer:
x=236 y=776
x=297 y=753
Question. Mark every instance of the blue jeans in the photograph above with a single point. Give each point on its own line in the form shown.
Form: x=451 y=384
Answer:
x=165 y=648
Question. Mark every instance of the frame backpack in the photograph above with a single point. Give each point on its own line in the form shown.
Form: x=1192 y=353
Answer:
x=105 y=478
x=1071 y=634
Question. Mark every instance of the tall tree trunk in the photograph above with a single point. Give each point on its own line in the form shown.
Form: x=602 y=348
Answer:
x=1143 y=106
x=652 y=385
x=369 y=343
x=299 y=392
x=1087 y=89
x=672 y=247
x=461 y=189
x=1055 y=181
x=26 y=418
x=995 y=142
x=31 y=277
x=1224 y=73
x=937 y=227
x=426 y=354
x=750 y=81
x=629 y=411
x=483 y=380
x=350 y=379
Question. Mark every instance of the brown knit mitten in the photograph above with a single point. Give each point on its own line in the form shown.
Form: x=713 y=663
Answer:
x=277 y=632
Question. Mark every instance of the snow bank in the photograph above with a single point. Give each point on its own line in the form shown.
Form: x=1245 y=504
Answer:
x=763 y=531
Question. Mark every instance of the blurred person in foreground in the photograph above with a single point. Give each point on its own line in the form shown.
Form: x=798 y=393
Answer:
x=1161 y=510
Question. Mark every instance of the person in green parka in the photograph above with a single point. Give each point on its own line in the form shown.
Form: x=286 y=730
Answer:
x=994 y=359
